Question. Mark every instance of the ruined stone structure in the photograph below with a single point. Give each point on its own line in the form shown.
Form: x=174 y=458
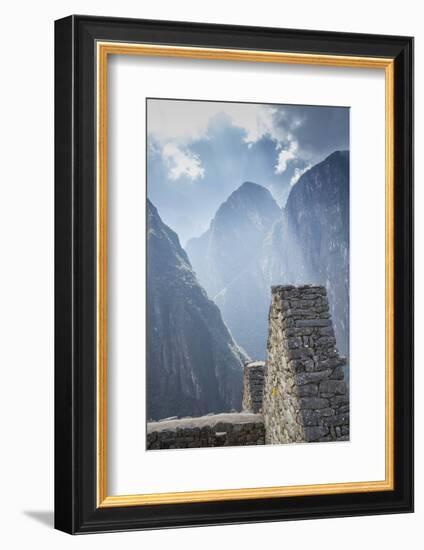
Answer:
x=216 y=430
x=299 y=395
x=305 y=396
x=253 y=386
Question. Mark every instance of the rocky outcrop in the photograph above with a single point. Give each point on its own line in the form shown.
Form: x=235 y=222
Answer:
x=193 y=364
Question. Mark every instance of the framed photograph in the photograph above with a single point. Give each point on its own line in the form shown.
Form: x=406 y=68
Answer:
x=234 y=274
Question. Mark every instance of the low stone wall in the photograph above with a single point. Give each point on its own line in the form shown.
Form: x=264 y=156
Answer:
x=305 y=396
x=253 y=386
x=217 y=430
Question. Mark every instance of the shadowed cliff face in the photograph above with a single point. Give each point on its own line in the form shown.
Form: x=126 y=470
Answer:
x=310 y=244
x=252 y=244
x=193 y=365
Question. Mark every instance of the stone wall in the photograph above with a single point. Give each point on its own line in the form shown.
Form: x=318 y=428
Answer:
x=253 y=386
x=217 y=430
x=298 y=395
x=305 y=396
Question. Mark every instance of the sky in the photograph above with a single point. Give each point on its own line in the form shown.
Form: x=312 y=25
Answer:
x=199 y=152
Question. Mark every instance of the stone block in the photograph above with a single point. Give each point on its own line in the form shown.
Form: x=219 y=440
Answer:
x=307 y=390
x=313 y=403
x=303 y=353
x=297 y=365
x=314 y=433
x=335 y=387
x=326 y=331
x=310 y=377
x=337 y=374
x=326 y=412
x=308 y=417
x=336 y=420
x=313 y=323
x=339 y=400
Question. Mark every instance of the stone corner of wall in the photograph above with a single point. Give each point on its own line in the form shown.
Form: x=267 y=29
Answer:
x=305 y=396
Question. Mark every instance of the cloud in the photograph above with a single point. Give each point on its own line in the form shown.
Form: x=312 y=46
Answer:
x=186 y=121
x=184 y=134
x=298 y=172
x=199 y=152
x=256 y=121
x=319 y=130
x=182 y=163
x=176 y=125
x=284 y=156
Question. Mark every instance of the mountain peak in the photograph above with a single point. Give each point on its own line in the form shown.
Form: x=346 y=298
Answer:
x=250 y=196
x=342 y=155
x=251 y=189
x=249 y=186
x=249 y=205
x=233 y=242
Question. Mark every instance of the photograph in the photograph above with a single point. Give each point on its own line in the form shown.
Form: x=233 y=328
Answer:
x=247 y=273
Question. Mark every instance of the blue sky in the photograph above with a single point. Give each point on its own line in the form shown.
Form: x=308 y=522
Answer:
x=199 y=152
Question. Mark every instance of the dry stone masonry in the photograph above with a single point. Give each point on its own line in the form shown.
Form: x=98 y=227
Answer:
x=305 y=396
x=216 y=430
x=299 y=395
x=253 y=386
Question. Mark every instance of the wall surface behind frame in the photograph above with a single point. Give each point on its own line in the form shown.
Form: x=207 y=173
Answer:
x=26 y=289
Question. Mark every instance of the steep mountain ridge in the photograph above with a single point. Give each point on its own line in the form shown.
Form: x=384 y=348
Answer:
x=315 y=230
x=193 y=364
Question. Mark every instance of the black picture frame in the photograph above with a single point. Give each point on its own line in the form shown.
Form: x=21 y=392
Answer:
x=76 y=509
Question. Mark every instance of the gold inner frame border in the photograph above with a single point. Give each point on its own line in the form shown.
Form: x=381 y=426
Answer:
x=103 y=50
